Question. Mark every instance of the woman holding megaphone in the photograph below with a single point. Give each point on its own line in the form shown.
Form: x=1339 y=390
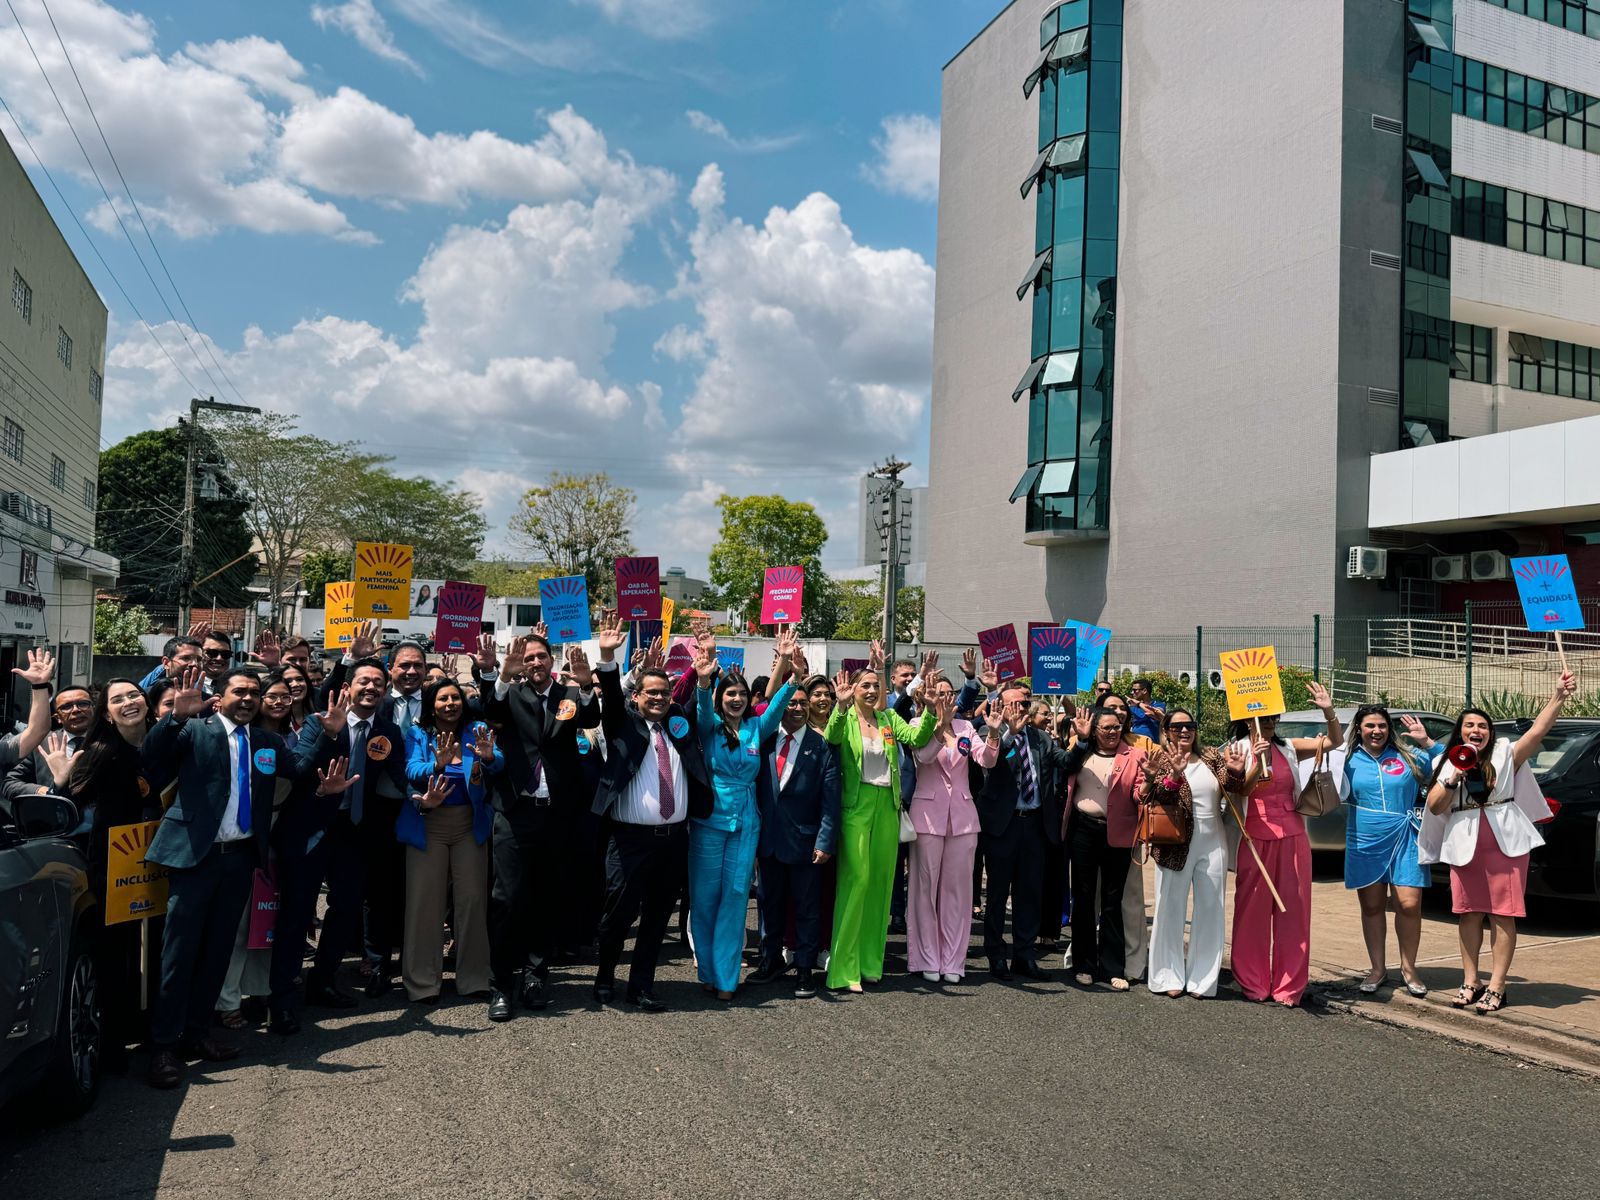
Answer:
x=1482 y=808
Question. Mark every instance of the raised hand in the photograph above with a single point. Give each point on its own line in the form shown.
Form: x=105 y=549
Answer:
x=1014 y=716
x=653 y=658
x=445 y=747
x=486 y=657
x=365 y=642
x=788 y=643
x=944 y=708
x=705 y=664
x=1566 y=687
x=188 y=700
x=513 y=663
x=334 y=781
x=930 y=660
x=578 y=664
x=268 y=649
x=798 y=664
x=338 y=712
x=611 y=635
x=438 y=792
x=875 y=657
x=1082 y=725
x=58 y=756
x=843 y=690
x=699 y=626
x=483 y=744
x=989 y=674
x=540 y=628
x=41 y=667
x=1319 y=695
x=448 y=664
x=1414 y=730
x=1233 y=759
x=969 y=662
x=199 y=629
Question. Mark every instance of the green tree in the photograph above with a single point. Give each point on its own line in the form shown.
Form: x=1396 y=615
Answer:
x=140 y=520
x=320 y=568
x=117 y=629
x=768 y=531
x=579 y=525
x=860 y=609
x=503 y=578
x=443 y=525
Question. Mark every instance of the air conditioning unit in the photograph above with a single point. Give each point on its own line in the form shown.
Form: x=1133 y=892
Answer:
x=1367 y=562
x=1448 y=568
x=1187 y=679
x=1214 y=678
x=1129 y=668
x=1490 y=564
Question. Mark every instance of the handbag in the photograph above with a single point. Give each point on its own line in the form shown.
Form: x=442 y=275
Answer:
x=908 y=831
x=1320 y=795
x=1160 y=824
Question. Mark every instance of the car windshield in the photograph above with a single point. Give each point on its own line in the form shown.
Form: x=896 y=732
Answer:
x=1561 y=747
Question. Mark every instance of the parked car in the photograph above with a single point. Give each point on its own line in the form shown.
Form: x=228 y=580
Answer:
x=49 y=1011
x=1567 y=767
x=1327 y=833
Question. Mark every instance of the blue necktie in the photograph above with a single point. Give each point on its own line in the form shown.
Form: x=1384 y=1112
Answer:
x=357 y=766
x=242 y=740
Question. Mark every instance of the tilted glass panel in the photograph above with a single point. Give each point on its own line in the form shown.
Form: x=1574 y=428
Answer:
x=1025 y=484
x=1057 y=478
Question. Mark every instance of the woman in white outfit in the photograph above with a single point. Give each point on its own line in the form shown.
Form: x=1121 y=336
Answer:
x=1200 y=866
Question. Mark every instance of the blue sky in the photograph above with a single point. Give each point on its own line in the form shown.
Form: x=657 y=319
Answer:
x=688 y=241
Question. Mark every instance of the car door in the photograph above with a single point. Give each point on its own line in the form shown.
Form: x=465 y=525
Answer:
x=31 y=950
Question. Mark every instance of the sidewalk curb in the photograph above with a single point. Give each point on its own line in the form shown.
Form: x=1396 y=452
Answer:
x=1573 y=1053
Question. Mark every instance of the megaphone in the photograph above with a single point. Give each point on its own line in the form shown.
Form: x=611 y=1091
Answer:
x=1463 y=757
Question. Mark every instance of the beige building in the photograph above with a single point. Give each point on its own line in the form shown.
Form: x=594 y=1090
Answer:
x=52 y=363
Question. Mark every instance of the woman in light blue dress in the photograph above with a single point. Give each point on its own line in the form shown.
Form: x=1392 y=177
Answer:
x=1382 y=783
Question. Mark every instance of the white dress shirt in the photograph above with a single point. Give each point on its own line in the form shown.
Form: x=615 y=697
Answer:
x=412 y=703
x=794 y=753
x=228 y=830
x=642 y=804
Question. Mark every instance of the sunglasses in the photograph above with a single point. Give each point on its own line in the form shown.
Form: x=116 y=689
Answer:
x=218 y=653
x=1180 y=726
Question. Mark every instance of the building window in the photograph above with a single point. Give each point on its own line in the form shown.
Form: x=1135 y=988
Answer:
x=64 y=347
x=1483 y=212
x=22 y=295
x=1554 y=368
x=88 y=494
x=58 y=473
x=97 y=385
x=1473 y=347
x=1519 y=102
x=28 y=570
x=1577 y=16
x=12 y=447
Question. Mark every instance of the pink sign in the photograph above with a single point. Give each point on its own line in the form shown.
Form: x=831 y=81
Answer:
x=680 y=658
x=999 y=646
x=852 y=665
x=639 y=589
x=460 y=617
x=263 y=911
x=781 y=592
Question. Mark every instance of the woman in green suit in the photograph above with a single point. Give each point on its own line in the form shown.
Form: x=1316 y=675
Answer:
x=869 y=740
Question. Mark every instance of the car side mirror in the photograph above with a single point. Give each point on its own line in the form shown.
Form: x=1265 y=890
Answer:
x=44 y=815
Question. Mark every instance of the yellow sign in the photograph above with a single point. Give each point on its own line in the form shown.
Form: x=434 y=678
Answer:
x=135 y=889
x=1250 y=678
x=667 y=609
x=339 y=614
x=383 y=581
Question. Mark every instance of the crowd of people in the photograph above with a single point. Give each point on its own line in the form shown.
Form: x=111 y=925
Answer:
x=523 y=813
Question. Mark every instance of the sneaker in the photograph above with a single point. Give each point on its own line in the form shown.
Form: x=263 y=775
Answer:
x=931 y=976
x=822 y=960
x=805 y=985
x=768 y=970
x=952 y=979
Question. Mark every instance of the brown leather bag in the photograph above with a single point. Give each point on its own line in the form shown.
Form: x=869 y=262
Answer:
x=1320 y=796
x=1160 y=823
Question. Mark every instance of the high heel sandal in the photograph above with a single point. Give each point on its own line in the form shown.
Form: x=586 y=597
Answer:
x=1492 y=1002
x=1469 y=994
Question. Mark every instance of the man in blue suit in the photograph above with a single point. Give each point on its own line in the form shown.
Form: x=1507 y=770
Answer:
x=211 y=841
x=798 y=795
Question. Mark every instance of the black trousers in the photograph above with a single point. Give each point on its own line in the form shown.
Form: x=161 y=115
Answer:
x=1054 y=891
x=540 y=855
x=782 y=883
x=647 y=868
x=384 y=893
x=205 y=904
x=339 y=857
x=1099 y=871
x=1014 y=861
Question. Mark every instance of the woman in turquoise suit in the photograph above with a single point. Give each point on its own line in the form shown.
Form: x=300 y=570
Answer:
x=1382 y=783
x=722 y=846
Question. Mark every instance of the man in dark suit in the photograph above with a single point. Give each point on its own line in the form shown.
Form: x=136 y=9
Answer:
x=1019 y=813
x=539 y=823
x=654 y=779
x=211 y=840
x=334 y=838
x=797 y=792
x=74 y=713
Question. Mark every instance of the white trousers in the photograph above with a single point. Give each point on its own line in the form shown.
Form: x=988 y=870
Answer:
x=1205 y=872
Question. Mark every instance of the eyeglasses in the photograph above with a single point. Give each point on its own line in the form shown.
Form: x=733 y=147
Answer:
x=73 y=705
x=1180 y=726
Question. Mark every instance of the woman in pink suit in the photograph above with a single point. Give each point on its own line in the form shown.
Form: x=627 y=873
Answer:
x=939 y=915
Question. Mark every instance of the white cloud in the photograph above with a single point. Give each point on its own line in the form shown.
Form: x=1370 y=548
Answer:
x=681 y=343
x=709 y=125
x=908 y=157
x=362 y=21
x=657 y=18
x=479 y=37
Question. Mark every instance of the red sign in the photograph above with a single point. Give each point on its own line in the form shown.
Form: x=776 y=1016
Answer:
x=781 y=592
x=639 y=589
x=460 y=617
x=999 y=646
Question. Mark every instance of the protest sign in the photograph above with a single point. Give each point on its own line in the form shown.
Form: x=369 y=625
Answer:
x=782 y=589
x=135 y=889
x=1250 y=677
x=1053 y=655
x=383 y=581
x=460 y=620
x=339 y=614
x=669 y=609
x=852 y=665
x=681 y=657
x=639 y=589
x=1092 y=643
x=263 y=912
x=564 y=608
x=999 y=646
x=1548 y=592
x=731 y=658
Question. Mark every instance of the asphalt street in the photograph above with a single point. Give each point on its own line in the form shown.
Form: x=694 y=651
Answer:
x=987 y=1088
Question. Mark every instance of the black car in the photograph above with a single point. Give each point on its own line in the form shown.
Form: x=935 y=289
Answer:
x=1567 y=767
x=49 y=1011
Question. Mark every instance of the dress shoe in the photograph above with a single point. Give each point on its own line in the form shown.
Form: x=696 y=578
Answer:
x=166 y=1069
x=284 y=1024
x=603 y=992
x=499 y=1006
x=805 y=985
x=378 y=984
x=647 y=1002
x=533 y=994
x=998 y=969
x=209 y=1049
x=1029 y=969
x=328 y=996
x=952 y=978
x=931 y=976
x=767 y=970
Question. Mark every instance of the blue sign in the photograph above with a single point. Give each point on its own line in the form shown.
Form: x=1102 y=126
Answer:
x=1053 y=652
x=731 y=658
x=1548 y=592
x=641 y=634
x=1091 y=651
x=564 y=607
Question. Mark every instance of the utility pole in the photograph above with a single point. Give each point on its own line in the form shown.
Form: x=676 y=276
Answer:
x=186 y=563
x=890 y=473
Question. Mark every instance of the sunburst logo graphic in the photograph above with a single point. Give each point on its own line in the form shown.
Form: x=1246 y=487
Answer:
x=1052 y=638
x=1246 y=660
x=1093 y=635
x=785 y=577
x=384 y=556
x=339 y=593
x=1542 y=571
x=568 y=586
x=132 y=841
